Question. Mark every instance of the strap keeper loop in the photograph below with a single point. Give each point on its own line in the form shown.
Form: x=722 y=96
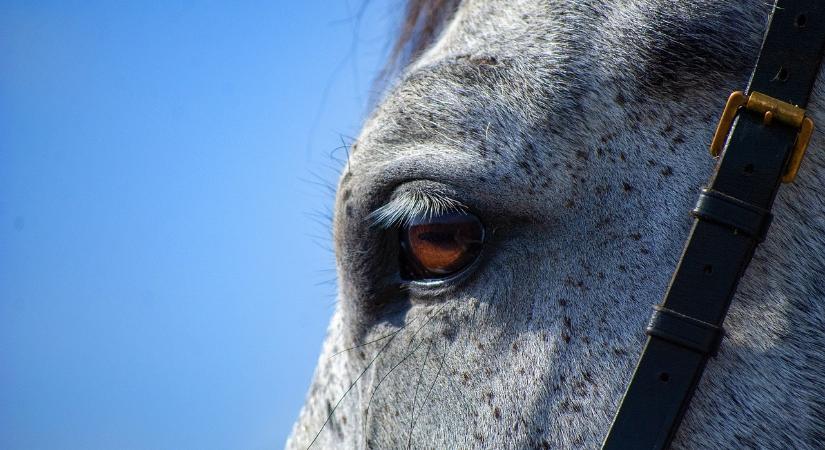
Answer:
x=714 y=206
x=685 y=331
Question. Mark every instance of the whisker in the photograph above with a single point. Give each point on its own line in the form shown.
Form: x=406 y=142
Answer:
x=460 y=391
x=360 y=375
x=426 y=397
x=415 y=397
x=329 y=416
x=368 y=343
x=381 y=338
x=389 y=372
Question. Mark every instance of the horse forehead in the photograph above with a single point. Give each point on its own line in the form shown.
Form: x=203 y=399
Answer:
x=633 y=37
x=526 y=60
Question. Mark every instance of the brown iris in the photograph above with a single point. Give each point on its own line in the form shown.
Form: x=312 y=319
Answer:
x=440 y=245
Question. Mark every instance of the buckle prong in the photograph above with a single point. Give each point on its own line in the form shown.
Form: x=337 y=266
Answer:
x=771 y=110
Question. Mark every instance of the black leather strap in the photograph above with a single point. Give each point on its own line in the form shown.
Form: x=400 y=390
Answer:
x=732 y=217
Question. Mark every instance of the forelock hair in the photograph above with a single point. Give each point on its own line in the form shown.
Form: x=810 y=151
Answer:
x=422 y=22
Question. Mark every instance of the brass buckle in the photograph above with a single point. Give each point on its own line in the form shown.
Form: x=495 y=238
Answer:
x=771 y=109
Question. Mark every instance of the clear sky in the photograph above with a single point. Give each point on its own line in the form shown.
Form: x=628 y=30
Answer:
x=166 y=275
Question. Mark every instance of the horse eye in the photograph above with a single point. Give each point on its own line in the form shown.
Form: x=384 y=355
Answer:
x=440 y=245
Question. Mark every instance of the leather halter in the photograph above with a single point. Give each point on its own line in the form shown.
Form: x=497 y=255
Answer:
x=732 y=216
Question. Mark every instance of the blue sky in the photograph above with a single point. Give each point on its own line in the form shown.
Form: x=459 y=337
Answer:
x=166 y=274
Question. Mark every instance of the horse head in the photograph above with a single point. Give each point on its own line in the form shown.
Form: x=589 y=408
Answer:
x=513 y=208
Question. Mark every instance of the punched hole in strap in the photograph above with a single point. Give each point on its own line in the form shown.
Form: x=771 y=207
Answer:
x=723 y=209
x=685 y=331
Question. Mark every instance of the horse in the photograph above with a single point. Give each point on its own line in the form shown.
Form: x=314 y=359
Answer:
x=514 y=206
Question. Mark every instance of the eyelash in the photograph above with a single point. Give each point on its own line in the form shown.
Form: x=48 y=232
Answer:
x=413 y=205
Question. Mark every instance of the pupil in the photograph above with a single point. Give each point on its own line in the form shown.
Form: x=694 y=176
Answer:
x=438 y=237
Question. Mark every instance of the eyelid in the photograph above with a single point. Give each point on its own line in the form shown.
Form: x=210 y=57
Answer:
x=414 y=203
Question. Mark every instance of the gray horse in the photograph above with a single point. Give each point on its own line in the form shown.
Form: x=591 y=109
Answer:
x=514 y=207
